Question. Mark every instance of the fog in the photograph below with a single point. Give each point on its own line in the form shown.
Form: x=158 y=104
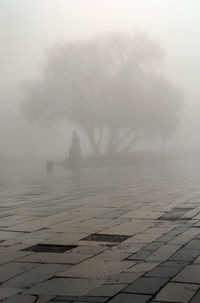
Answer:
x=99 y=151
x=28 y=29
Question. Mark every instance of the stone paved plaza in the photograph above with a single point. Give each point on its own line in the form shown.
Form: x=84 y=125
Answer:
x=129 y=234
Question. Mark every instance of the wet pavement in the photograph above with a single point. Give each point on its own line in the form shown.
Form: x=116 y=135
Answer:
x=126 y=234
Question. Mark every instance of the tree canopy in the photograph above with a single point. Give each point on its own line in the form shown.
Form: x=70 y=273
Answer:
x=109 y=86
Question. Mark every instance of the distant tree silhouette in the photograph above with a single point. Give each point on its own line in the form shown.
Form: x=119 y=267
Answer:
x=109 y=86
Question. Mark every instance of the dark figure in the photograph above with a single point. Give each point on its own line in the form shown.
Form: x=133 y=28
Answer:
x=75 y=151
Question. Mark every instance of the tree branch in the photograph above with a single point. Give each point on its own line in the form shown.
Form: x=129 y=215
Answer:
x=116 y=142
x=129 y=131
x=91 y=137
x=100 y=135
x=135 y=138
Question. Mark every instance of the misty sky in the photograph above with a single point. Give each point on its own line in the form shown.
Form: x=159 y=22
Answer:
x=29 y=27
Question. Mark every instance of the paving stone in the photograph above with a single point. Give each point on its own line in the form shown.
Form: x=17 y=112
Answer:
x=131 y=248
x=165 y=238
x=81 y=298
x=88 y=250
x=196 y=297
x=185 y=255
x=107 y=290
x=194 y=245
x=163 y=253
x=34 y=276
x=146 y=285
x=179 y=229
x=65 y=239
x=172 y=215
x=185 y=237
x=65 y=287
x=21 y=299
x=129 y=228
x=6 y=292
x=140 y=255
x=190 y=274
x=159 y=271
x=50 y=248
x=8 y=256
x=10 y=270
x=172 y=234
x=198 y=236
x=58 y=258
x=95 y=243
x=44 y=299
x=88 y=269
x=142 y=267
x=143 y=238
x=181 y=264
x=125 y=278
x=143 y=214
x=111 y=254
x=153 y=246
x=112 y=214
x=106 y=238
x=4 y=235
x=30 y=226
x=177 y=292
x=175 y=214
x=160 y=230
x=192 y=214
x=130 y=298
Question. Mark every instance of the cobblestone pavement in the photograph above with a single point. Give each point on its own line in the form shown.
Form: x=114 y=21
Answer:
x=115 y=235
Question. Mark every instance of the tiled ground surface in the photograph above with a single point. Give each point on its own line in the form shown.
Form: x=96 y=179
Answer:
x=156 y=206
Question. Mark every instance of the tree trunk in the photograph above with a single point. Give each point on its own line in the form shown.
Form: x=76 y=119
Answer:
x=111 y=147
x=94 y=145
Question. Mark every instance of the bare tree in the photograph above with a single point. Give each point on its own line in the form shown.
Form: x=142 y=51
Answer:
x=110 y=87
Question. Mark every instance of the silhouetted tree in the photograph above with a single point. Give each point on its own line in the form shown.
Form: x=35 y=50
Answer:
x=110 y=87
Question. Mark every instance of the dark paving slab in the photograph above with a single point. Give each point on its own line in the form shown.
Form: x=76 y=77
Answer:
x=80 y=299
x=197 y=237
x=106 y=290
x=65 y=287
x=152 y=246
x=20 y=299
x=130 y=298
x=175 y=214
x=181 y=264
x=50 y=248
x=172 y=234
x=124 y=278
x=140 y=255
x=168 y=272
x=146 y=285
x=194 y=245
x=106 y=238
x=185 y=255
x=34 y=276
x=196 y=297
